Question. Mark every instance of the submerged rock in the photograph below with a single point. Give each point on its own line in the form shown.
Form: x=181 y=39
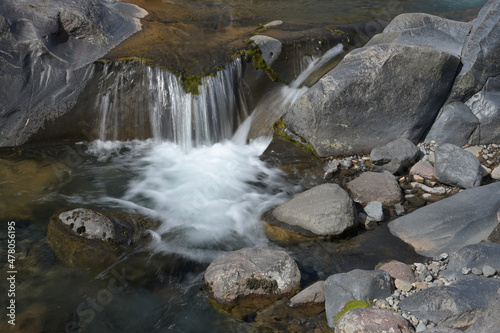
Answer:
x=456 y=166
x=396 y=156
x=408 y=70
x=466 y=218
x=325 y=210
x=235 y=279
x=354 y=285
x=24 y=182
x=91 y=240
x=374 y=186
x=372 y=320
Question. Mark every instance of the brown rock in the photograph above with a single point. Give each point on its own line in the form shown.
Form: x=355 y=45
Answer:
x=372 y=320
x=314 y=294
x=423 y=169
x=399 y=270
x=420 y=285
x=373 y=186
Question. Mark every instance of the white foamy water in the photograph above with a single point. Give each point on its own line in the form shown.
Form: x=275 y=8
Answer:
x=208 y=196
x=209 y=199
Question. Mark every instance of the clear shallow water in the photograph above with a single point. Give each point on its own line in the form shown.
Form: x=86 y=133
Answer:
x=209 y=200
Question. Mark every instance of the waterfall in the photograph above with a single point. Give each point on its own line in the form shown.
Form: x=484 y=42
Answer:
x=139 y=101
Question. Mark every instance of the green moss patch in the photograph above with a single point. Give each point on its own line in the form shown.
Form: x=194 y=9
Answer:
x=191 y=84
x=350 y=305
x=254 y=54
x=279 y=128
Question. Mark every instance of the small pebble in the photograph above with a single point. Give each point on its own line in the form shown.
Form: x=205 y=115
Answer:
x=399 y=209
x=421 y=327
x=488 y=271
x=465 y=270
x=477 y=271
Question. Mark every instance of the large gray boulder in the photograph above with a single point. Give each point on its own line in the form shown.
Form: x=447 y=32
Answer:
x=473 y=256
x=455 y=124
x=456 y=305
x=456 y=166
x=47 y=52
x=471 y=112
x=354 y=285
x=466 y=218
x=395 y=157
x=480 y=56
x=251 y=272
x=408 y=70
x=324 y=210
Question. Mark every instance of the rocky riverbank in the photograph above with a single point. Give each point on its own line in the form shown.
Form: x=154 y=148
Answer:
x=441 y=196
x=402 y=134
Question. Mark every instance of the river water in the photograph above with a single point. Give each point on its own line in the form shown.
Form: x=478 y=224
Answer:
x=197 y=174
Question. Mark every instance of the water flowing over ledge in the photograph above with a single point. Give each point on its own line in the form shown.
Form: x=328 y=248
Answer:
x=143 y=101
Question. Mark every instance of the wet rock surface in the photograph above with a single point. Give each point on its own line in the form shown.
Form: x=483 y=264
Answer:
x=249 y=273
x=91 y=240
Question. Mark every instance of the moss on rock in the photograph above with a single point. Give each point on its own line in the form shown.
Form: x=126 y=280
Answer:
x=351 y=305
x=279 y=128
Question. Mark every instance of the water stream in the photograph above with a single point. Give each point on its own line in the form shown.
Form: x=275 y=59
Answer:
x=193 y=171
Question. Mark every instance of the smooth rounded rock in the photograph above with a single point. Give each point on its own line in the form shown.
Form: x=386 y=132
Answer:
x=354 y=285
x=395 y=157
x=424 y=169
x=324 y=210
x=372 y=320
x=399 y=270
x=88 y=239
x=253 y=271
x=456 y=166
x=374 y=186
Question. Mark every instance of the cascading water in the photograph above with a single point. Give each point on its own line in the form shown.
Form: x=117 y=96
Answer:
x=207 y=190
x=167 y=112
